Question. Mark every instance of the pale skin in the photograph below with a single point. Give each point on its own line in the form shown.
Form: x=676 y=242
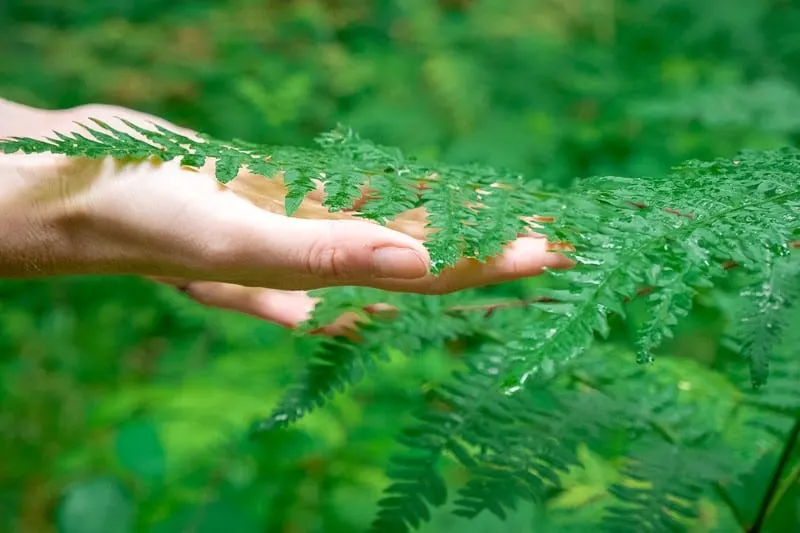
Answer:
x=230 y=247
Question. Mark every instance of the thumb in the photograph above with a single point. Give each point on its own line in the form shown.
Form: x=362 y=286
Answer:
x=347 y=251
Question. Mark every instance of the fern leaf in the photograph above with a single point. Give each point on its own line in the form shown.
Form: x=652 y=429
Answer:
x=765 y=313
x=523 y=459
x=343 y=164
x=670 y=301
x=782 y=394
x=437 y=432
x=342 y=362
x=452 y=211
x=662 y=485
x=675 y=217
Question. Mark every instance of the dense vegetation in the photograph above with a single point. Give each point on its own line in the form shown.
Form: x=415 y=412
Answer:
x=140 y=401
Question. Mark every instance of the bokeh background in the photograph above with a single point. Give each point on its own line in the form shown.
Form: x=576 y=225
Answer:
x=124 y=407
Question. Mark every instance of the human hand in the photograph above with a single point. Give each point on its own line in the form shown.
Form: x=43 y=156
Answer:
x=232 y=246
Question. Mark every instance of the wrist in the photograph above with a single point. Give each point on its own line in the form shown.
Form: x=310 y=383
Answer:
x=43 y=220
x=61 y=215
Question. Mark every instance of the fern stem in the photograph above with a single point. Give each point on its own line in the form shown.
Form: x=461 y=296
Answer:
x=731 y=505
x=791 y=479
x=764 y=508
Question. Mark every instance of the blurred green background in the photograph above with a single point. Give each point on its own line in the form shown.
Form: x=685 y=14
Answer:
x=124 y=407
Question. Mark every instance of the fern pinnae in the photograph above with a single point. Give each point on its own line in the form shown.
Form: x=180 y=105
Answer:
x=391 y=195
x=477 y=414
x=673 y=458
x=436 y=433
x=768 y=302
x=526 y=446
x=451 y=212
x=341 y=362
x=502 y=214
x=680 y=233
x=663 y=482
x=671 y=300
x=781 y=396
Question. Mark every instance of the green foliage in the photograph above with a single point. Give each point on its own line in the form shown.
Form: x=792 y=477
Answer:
x=765 y=313
x=508 y=417
x=552 y=89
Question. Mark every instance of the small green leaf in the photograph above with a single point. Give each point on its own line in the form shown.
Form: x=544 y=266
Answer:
x=228 y=167
x=193 y=160
x=298 y=186
x=292 y=203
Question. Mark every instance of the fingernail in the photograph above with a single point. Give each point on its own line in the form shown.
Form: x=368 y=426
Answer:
x=399 y=263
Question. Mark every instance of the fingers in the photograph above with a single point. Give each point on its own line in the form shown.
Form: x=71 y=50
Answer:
x=302 y=254
x=285 y=308
x=306 y=252
x=525 y=257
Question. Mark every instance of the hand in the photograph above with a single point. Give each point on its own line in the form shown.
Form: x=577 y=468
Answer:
x=225 y=246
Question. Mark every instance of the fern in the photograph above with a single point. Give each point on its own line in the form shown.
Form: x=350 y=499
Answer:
x=338 y=362
x=663 y=483
x=768 y=300
x=540 y=377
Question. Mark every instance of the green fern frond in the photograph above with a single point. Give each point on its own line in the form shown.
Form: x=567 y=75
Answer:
x=696 y=220
x=768 y=302
x=341 y=362
x=661 y=487
x=782 y=394
x=528 y=442
x=518 y=441
x=672 y=461
x=439 y=431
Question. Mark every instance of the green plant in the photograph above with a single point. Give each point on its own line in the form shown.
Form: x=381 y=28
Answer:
x=540 y=375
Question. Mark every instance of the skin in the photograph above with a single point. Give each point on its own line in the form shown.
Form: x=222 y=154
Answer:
x=227 y=246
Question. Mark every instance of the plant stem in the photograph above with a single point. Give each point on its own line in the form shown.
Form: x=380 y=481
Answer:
x=763 y=509
x=791 y=479
x=731 y=505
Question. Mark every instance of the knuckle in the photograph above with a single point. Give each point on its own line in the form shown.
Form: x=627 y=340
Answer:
x=325 y=261
x=328 y=259
x=511 y=268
